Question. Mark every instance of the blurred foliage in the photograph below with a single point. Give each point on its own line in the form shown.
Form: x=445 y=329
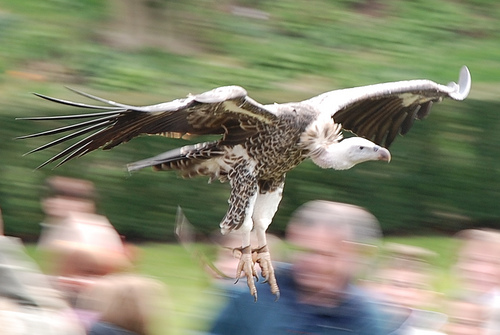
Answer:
x=444 y=175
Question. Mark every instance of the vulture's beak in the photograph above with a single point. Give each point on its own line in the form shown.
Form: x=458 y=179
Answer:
x=384 y=154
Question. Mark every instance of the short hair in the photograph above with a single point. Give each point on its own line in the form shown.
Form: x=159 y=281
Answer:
x=363 y=226
x=69 y=187
x=484 y=235
x=485 y=238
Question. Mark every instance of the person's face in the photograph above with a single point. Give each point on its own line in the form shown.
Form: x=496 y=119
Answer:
x=60 y=207
x=479 y=267
x=406 y=287
x=465 y=318
x=323 y=260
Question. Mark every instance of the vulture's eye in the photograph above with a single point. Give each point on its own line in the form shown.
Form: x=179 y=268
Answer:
x=361 y=148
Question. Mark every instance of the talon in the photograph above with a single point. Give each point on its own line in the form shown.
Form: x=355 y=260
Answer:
x=246 y=265
x=277 y=294
x=263 y=257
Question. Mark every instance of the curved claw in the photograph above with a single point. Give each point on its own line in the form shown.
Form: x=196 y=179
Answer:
x=263 y=257
x=246 y=265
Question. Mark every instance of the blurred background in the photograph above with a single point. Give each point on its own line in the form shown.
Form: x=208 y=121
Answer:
x=444 y=175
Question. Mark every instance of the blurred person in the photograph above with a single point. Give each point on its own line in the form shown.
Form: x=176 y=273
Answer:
x=63 y=195
x=125 y=304
x=478 y=265
x=404 y=277
x=28 y=303
x=466 y=317
x=83 y=247
x=478 y=270
x=330 y=243
x=78 y=240
x=77 y=245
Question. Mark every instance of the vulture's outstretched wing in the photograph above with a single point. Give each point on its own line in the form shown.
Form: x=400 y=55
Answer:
x=224 y=110
x=380 y=112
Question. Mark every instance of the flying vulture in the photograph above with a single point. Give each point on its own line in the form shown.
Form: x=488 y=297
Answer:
x=257 y=144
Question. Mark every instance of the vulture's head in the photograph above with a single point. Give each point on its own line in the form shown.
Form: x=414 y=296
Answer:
x=345 y=154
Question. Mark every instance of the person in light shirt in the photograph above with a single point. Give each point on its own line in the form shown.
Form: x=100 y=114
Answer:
x=478 y=270
x=76 y=244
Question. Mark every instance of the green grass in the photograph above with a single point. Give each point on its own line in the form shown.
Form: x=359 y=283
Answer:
x=184 y=278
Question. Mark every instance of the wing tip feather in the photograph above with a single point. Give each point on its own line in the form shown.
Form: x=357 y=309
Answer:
x=462 y=89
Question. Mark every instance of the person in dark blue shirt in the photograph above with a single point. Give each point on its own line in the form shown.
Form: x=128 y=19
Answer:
x=318 y=294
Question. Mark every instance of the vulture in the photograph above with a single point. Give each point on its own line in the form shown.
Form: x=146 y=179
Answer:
x=257 y=144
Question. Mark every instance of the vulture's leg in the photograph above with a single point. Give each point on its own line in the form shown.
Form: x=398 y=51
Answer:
x=244 y=192
x=266 y=206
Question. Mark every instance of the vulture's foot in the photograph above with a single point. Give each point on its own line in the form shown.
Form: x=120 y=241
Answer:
x=263 y=257
x=246 y=264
